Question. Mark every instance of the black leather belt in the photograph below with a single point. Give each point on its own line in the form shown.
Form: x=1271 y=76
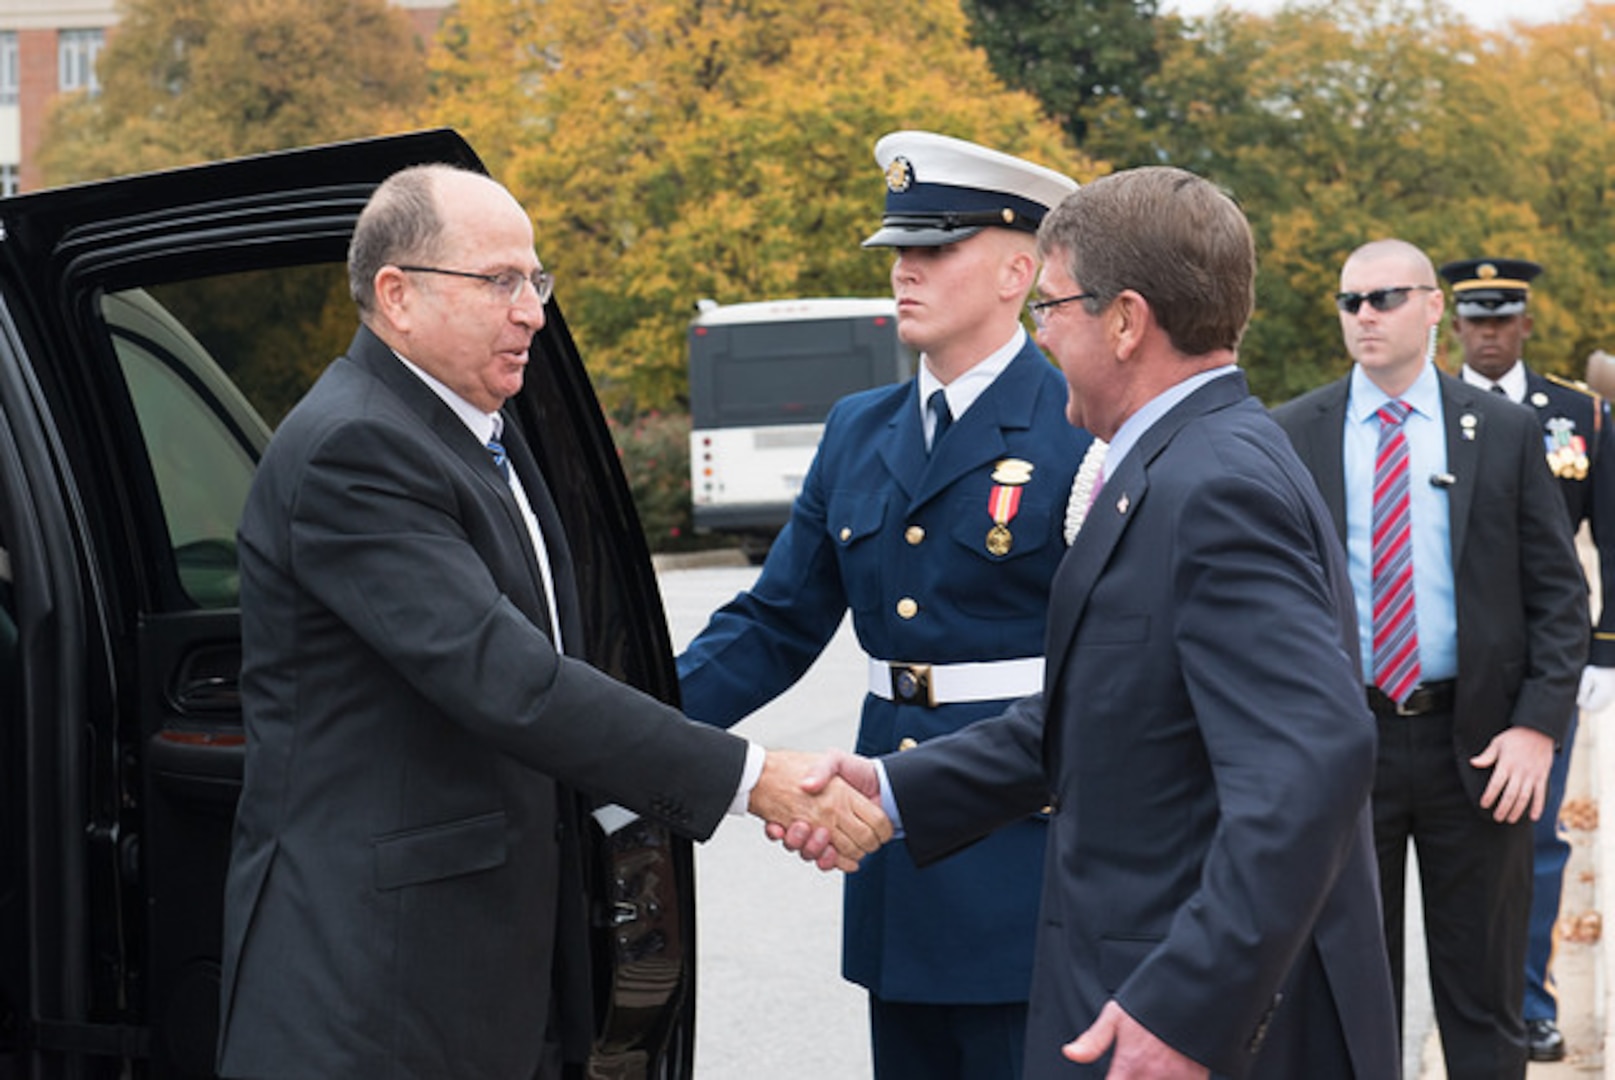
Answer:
x=1430 y=697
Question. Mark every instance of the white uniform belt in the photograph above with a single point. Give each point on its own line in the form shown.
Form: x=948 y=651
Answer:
x=947 y=684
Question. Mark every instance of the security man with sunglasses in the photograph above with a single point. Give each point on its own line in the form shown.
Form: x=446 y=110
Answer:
x=1472 y=617
x=1490 y=297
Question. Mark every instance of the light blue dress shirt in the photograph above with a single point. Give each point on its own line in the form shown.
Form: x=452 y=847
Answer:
x=1429 y=508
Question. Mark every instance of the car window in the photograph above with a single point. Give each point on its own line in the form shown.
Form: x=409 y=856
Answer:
x=211 y=364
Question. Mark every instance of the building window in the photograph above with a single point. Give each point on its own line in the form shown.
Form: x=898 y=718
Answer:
x=77 y=52
x=9 y=78
x=8 y=180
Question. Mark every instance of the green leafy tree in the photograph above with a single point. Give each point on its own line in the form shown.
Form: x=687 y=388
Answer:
x=676 y=149
x=1071 y=54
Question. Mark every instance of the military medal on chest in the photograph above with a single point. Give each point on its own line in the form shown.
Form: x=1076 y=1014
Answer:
x=1567 y=451
x=1004 y=502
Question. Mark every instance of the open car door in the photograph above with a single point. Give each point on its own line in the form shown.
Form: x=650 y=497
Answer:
x=153 y=330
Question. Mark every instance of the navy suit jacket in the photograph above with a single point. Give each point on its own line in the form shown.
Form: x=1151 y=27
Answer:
x=403 y=882
x=1203 y=736
x=878 y=522
x=1521 y=599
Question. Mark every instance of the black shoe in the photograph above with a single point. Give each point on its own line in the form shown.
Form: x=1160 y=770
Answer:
x=1543 y=1037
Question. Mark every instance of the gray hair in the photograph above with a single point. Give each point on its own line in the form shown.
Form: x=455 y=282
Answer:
x=400 y=223
x=1172 y=237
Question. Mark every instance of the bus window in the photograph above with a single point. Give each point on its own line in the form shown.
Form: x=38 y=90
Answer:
x=762 y=379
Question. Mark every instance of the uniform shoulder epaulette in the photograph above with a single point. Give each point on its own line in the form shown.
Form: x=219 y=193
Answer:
x=1573 y=384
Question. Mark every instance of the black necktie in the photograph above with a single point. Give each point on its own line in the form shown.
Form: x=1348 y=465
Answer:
x=1497 y=388
x=938 y=404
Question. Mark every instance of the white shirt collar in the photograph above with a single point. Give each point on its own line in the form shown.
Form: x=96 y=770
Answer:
x=484 y=426
x=1365 y=398
x=1512 y=382
x=963 y=391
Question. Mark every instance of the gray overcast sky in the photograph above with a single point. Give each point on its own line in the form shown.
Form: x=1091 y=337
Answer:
x=1486 y=14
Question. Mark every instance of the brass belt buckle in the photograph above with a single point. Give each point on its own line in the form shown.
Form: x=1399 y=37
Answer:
x=911 y=684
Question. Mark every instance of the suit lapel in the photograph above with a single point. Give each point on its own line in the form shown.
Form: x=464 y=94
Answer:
x=1465 y=427
x=372 y=354
x=902 y=448
x=1079 y=570
x=549 y=523
x=1113 y=511
x=1320 y=442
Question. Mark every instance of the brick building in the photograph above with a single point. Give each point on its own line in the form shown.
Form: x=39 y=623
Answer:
x=51 y=46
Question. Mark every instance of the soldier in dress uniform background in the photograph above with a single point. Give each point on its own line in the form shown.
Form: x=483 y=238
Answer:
x=1492 y=322
x=934 y=512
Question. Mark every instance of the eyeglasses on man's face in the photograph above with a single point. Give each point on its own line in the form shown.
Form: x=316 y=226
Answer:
x=1039 y=309
x=1381 y=300
x=508 y=283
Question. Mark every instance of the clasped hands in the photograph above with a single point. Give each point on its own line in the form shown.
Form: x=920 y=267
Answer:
x=825 y=806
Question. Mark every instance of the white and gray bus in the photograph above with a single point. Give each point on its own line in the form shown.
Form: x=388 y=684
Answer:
x=762 y=379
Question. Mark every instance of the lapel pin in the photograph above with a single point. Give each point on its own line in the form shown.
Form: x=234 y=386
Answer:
x=1467 y=422
x=1123 y=503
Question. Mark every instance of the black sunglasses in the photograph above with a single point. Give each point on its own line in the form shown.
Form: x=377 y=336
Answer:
x=1379 y=299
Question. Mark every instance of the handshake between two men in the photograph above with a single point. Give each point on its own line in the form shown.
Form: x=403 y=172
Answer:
x=826 y=807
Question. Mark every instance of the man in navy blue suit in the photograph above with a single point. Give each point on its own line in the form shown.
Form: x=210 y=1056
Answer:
x=934 y=511
x=1209 y=903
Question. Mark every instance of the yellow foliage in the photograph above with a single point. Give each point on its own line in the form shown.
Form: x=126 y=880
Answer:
x=676 y=149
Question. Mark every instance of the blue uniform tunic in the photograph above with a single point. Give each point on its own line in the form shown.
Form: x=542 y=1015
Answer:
x=900 y=538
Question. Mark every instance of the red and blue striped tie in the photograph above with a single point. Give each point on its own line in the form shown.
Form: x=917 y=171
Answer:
x=1396 y=629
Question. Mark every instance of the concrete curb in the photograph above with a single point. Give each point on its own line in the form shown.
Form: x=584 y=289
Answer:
x=696 y=560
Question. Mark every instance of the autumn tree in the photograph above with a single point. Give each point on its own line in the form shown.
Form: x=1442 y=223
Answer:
x=1334 y=124
x=671 y=150
x=186 y=81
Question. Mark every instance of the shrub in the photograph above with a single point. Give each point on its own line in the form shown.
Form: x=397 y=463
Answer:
x=655 y=453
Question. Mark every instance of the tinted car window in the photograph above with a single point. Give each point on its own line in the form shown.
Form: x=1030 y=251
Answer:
x=203 y=435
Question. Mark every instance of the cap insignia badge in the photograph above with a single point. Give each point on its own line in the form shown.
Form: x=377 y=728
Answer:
x=899 y=174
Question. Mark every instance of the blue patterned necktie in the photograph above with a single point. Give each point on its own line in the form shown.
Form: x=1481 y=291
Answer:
x=501 y=462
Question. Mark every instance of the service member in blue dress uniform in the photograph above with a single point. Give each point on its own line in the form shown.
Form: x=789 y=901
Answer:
x=1490 y=297
x=934 y=511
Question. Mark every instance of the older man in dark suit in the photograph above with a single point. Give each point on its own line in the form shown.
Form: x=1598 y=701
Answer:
x=1208 y=900
x=1474 y=624
x=399 y=902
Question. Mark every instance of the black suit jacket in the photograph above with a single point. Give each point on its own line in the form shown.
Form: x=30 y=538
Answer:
x=1204 y=741
x=395 y=892
x=1521 y=600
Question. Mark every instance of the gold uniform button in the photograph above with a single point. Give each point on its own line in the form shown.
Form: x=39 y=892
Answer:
x=907 y=608
x=846 y=534
x=914 y=534
x=908 y=743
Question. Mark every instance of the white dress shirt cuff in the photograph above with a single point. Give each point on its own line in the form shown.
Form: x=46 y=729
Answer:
x=748 y=778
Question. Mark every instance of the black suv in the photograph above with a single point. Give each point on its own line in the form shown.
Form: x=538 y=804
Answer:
x=153 y=330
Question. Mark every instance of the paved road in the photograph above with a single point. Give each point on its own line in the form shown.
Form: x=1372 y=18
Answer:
x=771 y=1003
